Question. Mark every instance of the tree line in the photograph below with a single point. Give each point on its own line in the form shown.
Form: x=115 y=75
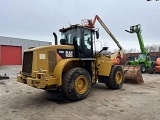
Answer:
x=149 y=48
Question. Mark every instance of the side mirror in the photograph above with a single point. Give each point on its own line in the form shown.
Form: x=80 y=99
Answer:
x=104 y=48
x=97 y=34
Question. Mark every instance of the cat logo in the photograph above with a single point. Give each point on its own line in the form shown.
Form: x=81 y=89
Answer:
x=69 y=53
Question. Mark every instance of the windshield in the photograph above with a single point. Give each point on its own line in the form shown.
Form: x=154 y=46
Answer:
x=87 y=39
x=141 y=57
x=69 y=35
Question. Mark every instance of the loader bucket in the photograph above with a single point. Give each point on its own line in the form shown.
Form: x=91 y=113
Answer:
x=132 y=74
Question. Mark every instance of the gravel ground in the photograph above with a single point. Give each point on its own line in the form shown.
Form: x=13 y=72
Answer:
x=133 y=102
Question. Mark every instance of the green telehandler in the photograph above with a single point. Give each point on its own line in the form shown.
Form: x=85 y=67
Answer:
x=143 y=59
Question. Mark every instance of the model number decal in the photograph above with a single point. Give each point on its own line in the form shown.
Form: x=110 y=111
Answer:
x=61 y=51
x=65 y=53
x=69 y=53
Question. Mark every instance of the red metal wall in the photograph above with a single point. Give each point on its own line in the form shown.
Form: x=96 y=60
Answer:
x=10 y=55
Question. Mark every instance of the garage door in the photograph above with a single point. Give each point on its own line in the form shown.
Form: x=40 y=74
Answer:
x=11 y=55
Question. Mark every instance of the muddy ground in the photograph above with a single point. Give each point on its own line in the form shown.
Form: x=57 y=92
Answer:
x=133 y=102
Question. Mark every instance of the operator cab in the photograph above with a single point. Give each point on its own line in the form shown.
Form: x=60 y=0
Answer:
x=144 y=57
x=81 y=38
x=141 y=57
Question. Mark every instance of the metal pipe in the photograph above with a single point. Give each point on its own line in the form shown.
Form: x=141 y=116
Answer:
x=55 y=36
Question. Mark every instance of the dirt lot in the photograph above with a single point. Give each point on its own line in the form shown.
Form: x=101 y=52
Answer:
x=132 y=102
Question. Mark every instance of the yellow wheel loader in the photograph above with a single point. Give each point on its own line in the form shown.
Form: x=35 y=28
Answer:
x=73 y=66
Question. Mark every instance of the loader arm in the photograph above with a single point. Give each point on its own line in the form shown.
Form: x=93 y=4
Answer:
x=106 y=29
x=132 y=74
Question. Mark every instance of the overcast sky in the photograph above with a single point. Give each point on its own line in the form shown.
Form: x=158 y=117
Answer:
x=37 y=19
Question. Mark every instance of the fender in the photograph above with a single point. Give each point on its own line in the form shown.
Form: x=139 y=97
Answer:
x=57 y=73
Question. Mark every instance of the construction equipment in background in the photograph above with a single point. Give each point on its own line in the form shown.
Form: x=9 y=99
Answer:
x=151 y=0
x=132 y=73
x=2 y=77
x=143 y=60
x=71 y=67
x=155 y=68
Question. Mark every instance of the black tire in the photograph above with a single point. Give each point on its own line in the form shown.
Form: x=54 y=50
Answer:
x=150 y=70
x=116 y=77
x=76 y=84
x=143 y=68
x=153 y=65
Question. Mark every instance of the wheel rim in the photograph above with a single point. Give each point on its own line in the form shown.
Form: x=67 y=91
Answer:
x=118 y=77
x=81 y=84
x=143 y=69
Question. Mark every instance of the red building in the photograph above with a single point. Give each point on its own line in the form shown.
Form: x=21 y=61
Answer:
x=11 y=49
x=133 y=56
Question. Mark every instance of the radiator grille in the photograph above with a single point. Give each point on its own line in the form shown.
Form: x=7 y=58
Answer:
x=52 y=61
x=27 y=63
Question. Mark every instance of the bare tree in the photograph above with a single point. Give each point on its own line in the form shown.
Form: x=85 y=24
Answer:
x=158 y=48
x=147 y=47
x=152 y=48
x=124 y=51
x=115 y=50
x=132 y=50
